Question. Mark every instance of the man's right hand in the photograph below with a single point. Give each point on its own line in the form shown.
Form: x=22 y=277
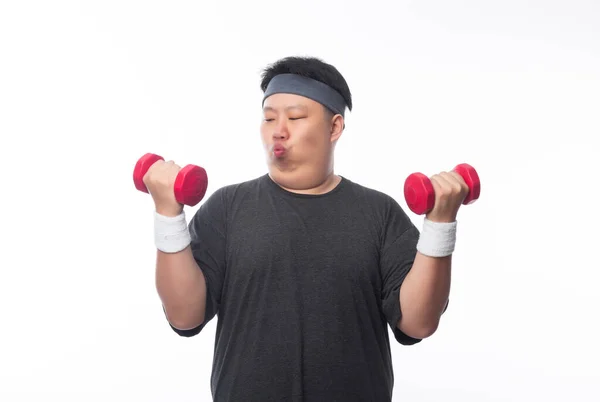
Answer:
x=160 y=182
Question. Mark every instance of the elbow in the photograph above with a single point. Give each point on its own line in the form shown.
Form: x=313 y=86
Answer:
x=185 y=325
x=427 y=331
x=184 y=322
x=419 y=331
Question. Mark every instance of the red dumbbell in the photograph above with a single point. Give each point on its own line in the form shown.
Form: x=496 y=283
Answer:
x=420 y=196
x=190 y=184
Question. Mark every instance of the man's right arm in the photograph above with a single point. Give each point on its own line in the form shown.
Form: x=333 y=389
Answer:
x=190 y=260
x=181 y=287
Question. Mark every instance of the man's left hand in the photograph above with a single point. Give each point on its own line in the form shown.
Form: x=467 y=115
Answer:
x=450 y=191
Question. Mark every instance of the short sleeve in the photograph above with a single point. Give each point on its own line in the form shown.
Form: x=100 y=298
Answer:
x=208 y=235
x=398 y=252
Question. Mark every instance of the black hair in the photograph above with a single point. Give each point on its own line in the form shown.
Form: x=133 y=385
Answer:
x=310 y=67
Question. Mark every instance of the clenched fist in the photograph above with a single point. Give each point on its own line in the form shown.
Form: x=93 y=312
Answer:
x=450 y=191
x=160 y=182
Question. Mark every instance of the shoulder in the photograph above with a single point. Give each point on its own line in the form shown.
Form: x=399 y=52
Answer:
x=235 y=192
x=383 y=209
x=377 y=198
x=224 y=197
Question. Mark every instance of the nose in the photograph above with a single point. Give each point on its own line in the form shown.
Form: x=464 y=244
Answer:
x=281 y=131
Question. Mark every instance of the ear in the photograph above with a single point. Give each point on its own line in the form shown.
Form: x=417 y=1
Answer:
x=337 y=127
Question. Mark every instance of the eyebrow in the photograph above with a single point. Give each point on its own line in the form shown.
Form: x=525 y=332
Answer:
x=272 y=109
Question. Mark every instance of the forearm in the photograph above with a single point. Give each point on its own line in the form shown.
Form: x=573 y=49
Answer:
x=424 y=294
x=181 y=287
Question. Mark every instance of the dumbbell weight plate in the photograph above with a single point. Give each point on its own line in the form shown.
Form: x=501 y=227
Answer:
x=470 y=176
x=141 y=167
x=190 y=185
x=419 y=193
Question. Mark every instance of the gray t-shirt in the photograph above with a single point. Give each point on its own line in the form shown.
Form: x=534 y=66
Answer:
x=304 y=288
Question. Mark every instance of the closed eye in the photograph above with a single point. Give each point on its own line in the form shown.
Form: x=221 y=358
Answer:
x=291 y=118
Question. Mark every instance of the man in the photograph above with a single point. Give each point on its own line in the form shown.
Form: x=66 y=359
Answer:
x=304 y=268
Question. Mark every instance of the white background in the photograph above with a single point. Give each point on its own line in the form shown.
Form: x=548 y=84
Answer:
x=86 y=88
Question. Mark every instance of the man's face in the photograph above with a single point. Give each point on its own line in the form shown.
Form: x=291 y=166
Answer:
x=296 y=132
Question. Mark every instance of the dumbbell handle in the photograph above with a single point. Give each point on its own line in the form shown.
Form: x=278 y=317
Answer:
x=190 y=184
x=420 y=195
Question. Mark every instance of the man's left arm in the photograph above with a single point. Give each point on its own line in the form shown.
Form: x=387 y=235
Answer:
x=424 y=295
x=425 y=291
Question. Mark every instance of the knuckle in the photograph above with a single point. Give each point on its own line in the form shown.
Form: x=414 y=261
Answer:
x=445 y=191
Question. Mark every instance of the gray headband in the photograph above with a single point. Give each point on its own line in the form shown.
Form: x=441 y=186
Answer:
x=309 y=88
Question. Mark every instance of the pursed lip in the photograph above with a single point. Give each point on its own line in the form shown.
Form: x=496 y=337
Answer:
x=278 y=147
x=278 y=150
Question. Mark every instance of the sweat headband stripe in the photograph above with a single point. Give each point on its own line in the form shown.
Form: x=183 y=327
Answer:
x=309 y=88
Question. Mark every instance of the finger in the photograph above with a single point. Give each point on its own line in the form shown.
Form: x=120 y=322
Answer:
x=167 y=165
x=443 y=180
x=455 y=180
x=464 y=187
x=441 y=185
x=156 y=166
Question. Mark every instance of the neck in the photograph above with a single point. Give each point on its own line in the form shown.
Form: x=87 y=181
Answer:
x=305 y=182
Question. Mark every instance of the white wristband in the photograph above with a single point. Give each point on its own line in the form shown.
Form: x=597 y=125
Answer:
x=437 y=238
x=171 y=234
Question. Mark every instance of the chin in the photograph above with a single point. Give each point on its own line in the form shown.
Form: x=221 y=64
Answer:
x=278 y=162
x=279 y=169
